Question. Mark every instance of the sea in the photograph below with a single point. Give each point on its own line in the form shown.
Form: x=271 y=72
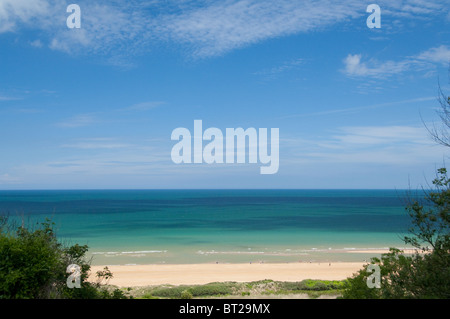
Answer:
x=133 y=227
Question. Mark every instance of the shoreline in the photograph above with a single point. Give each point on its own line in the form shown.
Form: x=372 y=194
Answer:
x=193 y=274
x=147 y=257
x=140 y=256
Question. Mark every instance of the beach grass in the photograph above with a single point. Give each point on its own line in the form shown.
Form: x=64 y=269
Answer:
x=261 y=289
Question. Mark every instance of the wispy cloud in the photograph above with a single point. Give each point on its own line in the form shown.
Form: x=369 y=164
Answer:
x=359 y=108
x=37 y=43
x=226 y=25
x=368 y=144
x=80 y=168
x=77 y=121
x=381 y=135
x=97 y=143
x=222 y=26
x=29 y=110
x=8 y=98
x=208 y=28
x=82 y=120
x=18 y=12
x=440 y=54
x=372 y=68
x=275 y=71
x=144 y=106
x=91 y=146
x=8 y=179
x=424 y=61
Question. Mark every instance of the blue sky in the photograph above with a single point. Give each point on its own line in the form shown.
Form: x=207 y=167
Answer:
x=95 y=107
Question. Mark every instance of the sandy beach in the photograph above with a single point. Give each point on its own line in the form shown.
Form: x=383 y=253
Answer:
x=185 y=274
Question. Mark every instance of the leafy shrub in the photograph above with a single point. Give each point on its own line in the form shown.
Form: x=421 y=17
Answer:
x=312 y=285
x=179 y=292
x=186 y=295
x=33 y=265
x=168 y=292
x=425 y=274
x=213 y=289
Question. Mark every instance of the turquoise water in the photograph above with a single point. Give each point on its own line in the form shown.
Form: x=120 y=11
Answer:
x=198 y=226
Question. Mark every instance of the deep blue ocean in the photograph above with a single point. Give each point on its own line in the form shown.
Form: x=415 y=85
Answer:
x=199 y=226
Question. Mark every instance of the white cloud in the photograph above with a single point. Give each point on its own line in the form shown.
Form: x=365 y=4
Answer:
x=8 y=179
x=373 y=68
x=15 y=12
x=221 y=26
x=425 y=61
x=359 y=108
x=382 y=135
x=273 y=72
x=36 y=43
x=439 y=54
x=96 y=170
x=208 y=27
x=97 y=143
x=144 y=106
x=353 y=65
x=226 y=25
x=386 y=145
x=77 y=121
x=8 y=98
x=86 y=145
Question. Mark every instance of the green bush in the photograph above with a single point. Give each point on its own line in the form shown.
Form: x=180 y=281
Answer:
x=425 y=274
x=214 y=289
x=312 y=285
x=291 y=286
x=186 y=295
x=168 y=292
x=180 y=292
x=33 y=265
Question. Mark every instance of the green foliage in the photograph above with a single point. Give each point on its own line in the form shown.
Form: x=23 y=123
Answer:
x=390 y=264
x=425 y=274
x=186 y=295
x=313 y=288
x=148 y=296
x=168 y=292
x=312 y=285
x=213 y=289
x=33 y=265
x=431 y=218
x=29 y=262
x=179 y=292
